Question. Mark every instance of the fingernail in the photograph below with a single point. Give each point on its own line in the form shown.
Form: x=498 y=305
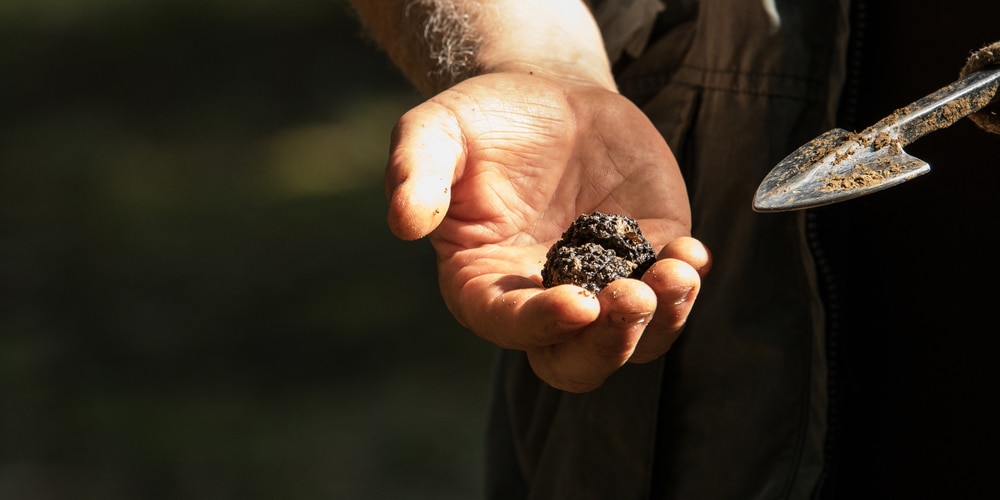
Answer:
x=684 y=297
x=634 y=318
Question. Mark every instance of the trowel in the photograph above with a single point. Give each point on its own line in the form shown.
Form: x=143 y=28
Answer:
x=840 y=165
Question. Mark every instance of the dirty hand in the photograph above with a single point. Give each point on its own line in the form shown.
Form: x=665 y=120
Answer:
x=495 y=169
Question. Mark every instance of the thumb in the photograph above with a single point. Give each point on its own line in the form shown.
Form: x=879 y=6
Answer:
x=426 y=151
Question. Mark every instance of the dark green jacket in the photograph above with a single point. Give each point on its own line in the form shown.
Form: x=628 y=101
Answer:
x=846 y=352
x=737 y=408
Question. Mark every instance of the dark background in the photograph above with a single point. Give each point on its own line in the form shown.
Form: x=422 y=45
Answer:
x=913 y=300
x=199 y=296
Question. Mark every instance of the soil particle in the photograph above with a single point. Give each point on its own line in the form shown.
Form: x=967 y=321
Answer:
x=861 y=176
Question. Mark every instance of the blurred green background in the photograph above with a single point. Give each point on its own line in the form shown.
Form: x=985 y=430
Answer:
x=199 y=296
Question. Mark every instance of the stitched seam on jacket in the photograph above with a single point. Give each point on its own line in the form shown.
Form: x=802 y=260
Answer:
x=752 y=83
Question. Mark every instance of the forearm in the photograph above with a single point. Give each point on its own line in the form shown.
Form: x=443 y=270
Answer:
x=437 y=43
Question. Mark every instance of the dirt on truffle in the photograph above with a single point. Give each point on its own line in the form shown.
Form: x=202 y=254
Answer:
x=597 y=249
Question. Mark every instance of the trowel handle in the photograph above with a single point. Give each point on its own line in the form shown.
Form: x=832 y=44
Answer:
x=942 y=108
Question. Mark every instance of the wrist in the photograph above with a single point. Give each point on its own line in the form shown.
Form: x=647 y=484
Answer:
x=555 y=38
x=555 y=70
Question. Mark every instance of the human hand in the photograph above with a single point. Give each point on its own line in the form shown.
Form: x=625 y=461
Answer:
x=495 y=168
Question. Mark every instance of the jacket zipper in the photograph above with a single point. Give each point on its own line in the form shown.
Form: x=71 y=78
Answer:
x=847 y=116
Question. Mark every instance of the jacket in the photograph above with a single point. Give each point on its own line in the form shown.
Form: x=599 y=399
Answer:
x=736 y=409
x=757 y=399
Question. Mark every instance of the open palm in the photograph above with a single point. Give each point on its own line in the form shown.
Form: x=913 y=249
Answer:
x=495 y=169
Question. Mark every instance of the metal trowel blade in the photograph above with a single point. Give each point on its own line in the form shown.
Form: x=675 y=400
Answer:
x=836 y=166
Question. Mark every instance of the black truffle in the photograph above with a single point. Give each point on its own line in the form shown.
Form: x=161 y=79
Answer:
x=597 y=249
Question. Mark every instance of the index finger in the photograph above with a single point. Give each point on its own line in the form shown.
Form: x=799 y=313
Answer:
x=514 y=312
